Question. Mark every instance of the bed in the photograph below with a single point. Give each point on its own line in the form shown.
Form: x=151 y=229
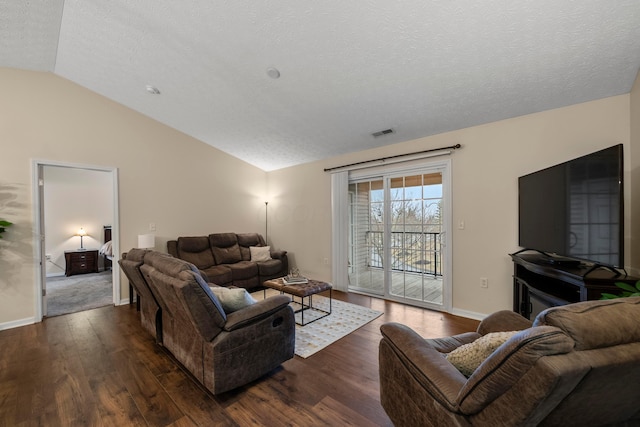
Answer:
x=106 y=250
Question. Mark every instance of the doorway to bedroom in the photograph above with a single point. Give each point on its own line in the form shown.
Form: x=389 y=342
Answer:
x=76 y=205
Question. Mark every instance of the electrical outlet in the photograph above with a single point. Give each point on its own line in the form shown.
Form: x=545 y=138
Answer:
x=326 y=261
x=47 y=257
x=484 y=282
x=152 y=226
x=461 y=225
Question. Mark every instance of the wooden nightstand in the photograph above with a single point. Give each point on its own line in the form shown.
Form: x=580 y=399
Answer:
x=81 y=262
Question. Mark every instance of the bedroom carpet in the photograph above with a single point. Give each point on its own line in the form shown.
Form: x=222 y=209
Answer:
x=344 y=319
x=78 y=293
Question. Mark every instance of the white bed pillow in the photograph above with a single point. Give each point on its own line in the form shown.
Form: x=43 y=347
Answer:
x=260 y=253
x=106 y=249
x=232 y=299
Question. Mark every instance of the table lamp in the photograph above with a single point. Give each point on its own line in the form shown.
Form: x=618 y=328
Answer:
x=81 y=233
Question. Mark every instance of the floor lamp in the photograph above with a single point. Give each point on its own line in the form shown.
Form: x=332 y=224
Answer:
x=266 y=223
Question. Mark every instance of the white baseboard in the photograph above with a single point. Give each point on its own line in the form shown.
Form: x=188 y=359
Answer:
x=124 y=301
x=55 y=274
x=468 y=314
x=17 y=323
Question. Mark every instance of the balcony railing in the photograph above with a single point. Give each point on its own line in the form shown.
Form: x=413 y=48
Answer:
x=415 y=252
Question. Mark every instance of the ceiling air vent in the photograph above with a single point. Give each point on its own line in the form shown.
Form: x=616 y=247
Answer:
x=382 y=132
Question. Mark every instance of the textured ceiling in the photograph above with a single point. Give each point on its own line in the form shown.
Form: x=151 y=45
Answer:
x=348 y=69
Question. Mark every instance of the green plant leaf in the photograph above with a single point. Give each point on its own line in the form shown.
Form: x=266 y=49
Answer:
x=608 y=296
x=626 y=287
x=4 y=223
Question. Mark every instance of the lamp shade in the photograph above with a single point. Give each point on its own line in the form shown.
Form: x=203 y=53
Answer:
x=146 y=241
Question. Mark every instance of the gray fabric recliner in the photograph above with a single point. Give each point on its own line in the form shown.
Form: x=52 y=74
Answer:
x=577 y=364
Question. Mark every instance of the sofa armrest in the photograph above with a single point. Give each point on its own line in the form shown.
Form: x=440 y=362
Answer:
x=278 y=254
x=503 y=321
x=448 y=344
x=425 y=364
x=172 y=248
x=255 y=312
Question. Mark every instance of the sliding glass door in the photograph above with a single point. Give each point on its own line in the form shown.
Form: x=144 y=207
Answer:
x=396 y=236
x=366 y=236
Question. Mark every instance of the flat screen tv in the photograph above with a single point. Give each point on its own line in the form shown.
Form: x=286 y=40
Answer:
x=574 y=211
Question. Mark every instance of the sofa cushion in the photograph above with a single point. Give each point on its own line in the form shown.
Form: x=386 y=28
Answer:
x=468 y=357
x=243 y=270
x=195 y=250
x=510 y=362
x=219 y=274
x=596 y=324
x=270 y=267
x=246 y=240
x=260 y=253
x=205 y=309
x=233 y=299
x=225 y=248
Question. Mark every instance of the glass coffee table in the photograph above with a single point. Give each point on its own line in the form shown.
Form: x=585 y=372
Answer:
x=302 y=291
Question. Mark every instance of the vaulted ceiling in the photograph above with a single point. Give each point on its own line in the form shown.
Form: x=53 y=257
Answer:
x=345 y=69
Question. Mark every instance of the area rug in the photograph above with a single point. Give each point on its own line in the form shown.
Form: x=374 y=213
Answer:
x=78 y=293
x=344 y=319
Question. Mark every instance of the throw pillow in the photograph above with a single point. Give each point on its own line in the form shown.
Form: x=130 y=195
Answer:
x=232 y=299
x=260 y=253
x=468 y=357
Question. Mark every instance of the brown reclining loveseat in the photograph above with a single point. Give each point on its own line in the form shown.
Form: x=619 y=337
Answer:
x=222 y=350
x=576 y=365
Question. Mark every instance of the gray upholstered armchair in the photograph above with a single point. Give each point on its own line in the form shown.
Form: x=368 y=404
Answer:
x=577 y=364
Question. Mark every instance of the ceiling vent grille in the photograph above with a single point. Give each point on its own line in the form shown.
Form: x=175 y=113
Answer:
x=382 y=133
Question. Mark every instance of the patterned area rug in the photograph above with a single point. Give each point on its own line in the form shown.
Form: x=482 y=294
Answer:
x=78 y=293
x=344 y=319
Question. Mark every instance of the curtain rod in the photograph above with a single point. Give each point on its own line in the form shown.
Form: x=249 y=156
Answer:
x=383 y=159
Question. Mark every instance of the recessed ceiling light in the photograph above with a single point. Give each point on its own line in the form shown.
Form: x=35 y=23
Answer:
x=273 y=73
x=153 y=90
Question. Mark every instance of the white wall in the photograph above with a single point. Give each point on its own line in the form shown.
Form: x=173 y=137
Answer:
x=75 y=198
x=484 y=178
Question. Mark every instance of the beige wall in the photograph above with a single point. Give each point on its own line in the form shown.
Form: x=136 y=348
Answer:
x=484 y=179
x=183 y=186
x=189 y=188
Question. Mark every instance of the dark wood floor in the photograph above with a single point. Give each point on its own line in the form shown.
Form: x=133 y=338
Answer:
x=100 y=368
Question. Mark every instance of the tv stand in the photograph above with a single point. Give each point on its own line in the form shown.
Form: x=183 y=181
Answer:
x=538 y=284
x=551 y=258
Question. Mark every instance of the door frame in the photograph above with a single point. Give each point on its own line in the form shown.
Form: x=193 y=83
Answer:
x=37 y=166
x=423 y=166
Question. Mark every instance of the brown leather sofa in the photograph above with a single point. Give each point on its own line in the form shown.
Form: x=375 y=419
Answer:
x=576 y=365
x=225 y=259
x=221 y=350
